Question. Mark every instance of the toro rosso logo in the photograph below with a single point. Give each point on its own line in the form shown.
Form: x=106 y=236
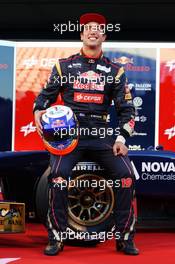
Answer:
x=88 y=98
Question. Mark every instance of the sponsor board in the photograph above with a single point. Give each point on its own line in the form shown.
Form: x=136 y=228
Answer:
x=140 y=71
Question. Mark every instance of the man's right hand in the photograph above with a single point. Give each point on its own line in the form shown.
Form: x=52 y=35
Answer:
x=37 y=117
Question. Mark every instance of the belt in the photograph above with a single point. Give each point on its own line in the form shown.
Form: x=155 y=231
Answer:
x=102 y=117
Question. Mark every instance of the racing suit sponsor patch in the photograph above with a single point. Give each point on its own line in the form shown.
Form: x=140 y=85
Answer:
x=88 y=98
x=103 y=68
x=88 y=86
x=128 y=96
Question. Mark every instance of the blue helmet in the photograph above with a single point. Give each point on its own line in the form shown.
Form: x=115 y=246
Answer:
x=60 y=130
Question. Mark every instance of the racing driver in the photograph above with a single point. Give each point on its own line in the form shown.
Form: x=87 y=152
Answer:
x=89 y=96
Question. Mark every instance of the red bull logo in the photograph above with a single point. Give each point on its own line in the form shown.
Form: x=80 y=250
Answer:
x=90 y=75
x=60 y=146
x=89 y=80
x=123 y=60
x=58 y=123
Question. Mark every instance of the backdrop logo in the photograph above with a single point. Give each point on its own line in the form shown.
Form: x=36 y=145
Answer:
x=123 y=60
x=171 y=65
x=130 y=86
x=3 y=66
x=141 y=118
x=137 y=68
x=140 y=86
x=170 y=132
x=29 y=128
x=137 y=101
x=42 y=62
x=30 y=62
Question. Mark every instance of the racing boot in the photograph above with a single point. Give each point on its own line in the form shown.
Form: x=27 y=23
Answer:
x=53 y=248
x=127 y=247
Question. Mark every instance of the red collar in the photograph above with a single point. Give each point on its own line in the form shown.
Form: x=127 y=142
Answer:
x=88 y=57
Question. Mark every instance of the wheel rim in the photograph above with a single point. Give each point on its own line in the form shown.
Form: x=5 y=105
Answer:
x=89 y=204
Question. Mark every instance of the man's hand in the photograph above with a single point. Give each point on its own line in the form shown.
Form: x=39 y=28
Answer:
x=120 y=149
x=37 y=116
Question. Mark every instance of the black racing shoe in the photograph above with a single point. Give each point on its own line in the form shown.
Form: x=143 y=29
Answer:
x=53 y=248
x=127 y=247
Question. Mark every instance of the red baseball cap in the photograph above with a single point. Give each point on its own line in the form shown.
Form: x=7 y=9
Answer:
x=92 y=17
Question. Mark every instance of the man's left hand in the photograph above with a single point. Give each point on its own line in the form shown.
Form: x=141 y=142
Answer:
x=120 y=149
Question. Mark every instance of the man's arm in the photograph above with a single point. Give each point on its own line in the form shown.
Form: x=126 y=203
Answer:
x=47 y=96
x=125 y=110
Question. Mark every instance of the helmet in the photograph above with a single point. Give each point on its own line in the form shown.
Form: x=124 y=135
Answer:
x=60 y=125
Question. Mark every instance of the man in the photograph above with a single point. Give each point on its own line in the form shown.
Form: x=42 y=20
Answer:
x=90 y=102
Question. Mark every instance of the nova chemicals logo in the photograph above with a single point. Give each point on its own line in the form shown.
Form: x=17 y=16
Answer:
x=161 y=171
x=158 y=166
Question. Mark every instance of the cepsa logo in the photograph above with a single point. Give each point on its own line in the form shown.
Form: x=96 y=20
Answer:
x=128 y=64
x=44 y=62
x=3 y=66
x=88 y=98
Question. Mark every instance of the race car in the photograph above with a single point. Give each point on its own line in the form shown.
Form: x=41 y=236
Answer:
x=24 y=179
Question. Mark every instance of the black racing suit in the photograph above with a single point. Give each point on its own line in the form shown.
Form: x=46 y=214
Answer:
x=88 y=86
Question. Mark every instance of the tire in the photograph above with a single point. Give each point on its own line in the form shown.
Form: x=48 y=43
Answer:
x=41 y=198
x=90 y=209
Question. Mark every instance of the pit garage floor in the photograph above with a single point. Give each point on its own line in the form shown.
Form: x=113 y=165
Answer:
x=28 y=248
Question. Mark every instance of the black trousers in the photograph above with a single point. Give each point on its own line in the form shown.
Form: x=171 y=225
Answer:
x=118 y=167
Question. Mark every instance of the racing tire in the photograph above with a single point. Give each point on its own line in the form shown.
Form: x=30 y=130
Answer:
x=90 y=209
